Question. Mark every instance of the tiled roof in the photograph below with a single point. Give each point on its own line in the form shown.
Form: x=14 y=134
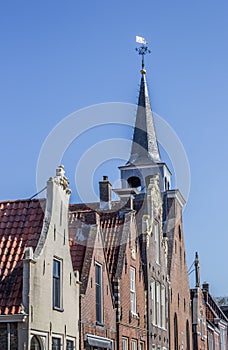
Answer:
x=112 y=227
x=82 y=232
x=20 y=226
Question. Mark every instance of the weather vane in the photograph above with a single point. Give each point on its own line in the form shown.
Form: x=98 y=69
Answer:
x=142 y=50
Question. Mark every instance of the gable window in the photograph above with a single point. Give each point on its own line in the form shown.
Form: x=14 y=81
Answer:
x=57 y=284
x=124 y=343
x=56 y=343
x=132 y=290
x=99 y=308
x=157 y=242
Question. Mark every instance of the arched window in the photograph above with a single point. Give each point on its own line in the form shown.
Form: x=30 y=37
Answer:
x=134 y=182
x=35 y=343
x=187 y=336
x=175 y=332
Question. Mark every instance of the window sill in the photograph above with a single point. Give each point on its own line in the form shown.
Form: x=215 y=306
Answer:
x=99 y=324
x=58 y=309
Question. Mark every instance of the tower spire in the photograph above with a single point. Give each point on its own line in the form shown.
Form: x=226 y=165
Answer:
x=145 y=160
x=144 y=145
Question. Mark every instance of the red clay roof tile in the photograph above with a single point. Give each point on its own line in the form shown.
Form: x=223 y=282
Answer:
x=20 y=226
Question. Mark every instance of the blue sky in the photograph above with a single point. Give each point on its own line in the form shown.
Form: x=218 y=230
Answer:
x=60 y=56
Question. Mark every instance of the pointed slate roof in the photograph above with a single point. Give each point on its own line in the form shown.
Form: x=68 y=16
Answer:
x=144 y=146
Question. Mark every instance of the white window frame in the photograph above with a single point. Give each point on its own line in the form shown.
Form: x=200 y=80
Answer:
x=59 y=337
x=60 y=307
x=142 y=345
x=132 y=289
x=134 y=344
x=163 y=307
x=158 y=303
x=153 y=300
x=71 y=339
x=101 y=292
x=124 y=341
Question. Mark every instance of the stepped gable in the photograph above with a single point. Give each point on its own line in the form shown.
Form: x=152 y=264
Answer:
x=21 y=223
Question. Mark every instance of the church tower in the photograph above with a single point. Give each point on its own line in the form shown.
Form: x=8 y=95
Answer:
x=145 y=160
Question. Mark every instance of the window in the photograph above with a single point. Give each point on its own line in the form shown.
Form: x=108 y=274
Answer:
x=175 y=332
x=157 y=243
x=35 y=343
x=69 y=344
x=158 y=306
x=57 y=302
x=134 y=344
x=163 y=308
x=187 y=336
x=124 y=344
x=99 y=312
x=210 y=341
x=142 y=345
x=223 y=338
x=153 y=302
x=132 y=290
x=201 y=324
x=56 y=343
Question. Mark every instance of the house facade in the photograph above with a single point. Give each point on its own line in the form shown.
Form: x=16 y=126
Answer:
x=38 y=287
x=97 y=310
x=180 y=319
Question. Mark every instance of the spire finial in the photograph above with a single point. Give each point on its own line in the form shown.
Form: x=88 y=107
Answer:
x=142 y=50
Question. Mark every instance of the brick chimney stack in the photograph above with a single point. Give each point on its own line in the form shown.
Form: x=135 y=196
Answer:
x=105 y=188
x=206 y=286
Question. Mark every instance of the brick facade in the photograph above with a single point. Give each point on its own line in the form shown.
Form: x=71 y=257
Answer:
x=94 y=255
x=179 y=303
x=132 y=324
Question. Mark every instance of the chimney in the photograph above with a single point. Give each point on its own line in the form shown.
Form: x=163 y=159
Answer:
x=105 y=193
x=206 y=286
